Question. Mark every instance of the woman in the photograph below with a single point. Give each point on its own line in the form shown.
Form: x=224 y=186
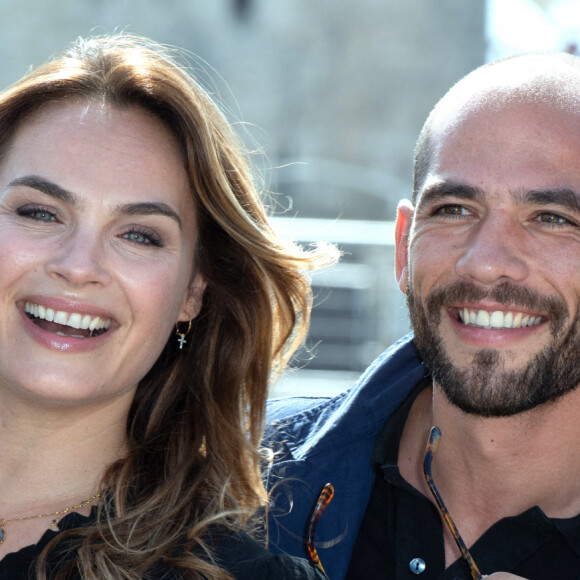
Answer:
x=145 y=303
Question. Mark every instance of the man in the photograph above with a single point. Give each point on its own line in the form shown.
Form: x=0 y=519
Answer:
x=488 y=255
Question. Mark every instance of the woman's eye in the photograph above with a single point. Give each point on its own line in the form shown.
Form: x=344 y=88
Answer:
x=37 y=213
x=143 y=237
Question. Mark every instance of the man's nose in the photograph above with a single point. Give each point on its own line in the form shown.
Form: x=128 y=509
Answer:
x=494 y=251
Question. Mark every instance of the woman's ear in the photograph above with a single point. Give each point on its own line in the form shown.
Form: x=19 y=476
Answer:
x=193 y=299
x=402 y=228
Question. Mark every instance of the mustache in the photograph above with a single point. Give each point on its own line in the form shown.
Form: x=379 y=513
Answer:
x=507 y=293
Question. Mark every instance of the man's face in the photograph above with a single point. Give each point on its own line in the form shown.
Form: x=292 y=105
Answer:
x=492 y=266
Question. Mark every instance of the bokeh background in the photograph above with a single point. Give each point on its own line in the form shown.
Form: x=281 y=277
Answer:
x=330 y=95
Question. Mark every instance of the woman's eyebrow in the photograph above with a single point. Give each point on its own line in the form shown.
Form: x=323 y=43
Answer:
x=46 y=186
x=149 y=208
x=139 y=208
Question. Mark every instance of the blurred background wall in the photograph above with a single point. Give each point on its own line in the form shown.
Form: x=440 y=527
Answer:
x=333 y=94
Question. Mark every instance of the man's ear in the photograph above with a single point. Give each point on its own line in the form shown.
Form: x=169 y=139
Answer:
x=193 y=299
x=402 y=228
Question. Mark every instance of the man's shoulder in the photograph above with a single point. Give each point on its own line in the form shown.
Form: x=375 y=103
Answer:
x=359 y=411
x=317 y=441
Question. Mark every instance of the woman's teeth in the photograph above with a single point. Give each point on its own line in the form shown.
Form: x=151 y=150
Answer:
x=72 y=319
x=497 y=319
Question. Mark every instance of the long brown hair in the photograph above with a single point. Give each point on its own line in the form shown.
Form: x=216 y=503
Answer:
x=196 y=421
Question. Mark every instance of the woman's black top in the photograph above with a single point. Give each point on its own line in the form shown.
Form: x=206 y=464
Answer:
x=239 y=554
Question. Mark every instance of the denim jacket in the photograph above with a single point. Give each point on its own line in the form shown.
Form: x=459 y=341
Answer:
x=330 y=440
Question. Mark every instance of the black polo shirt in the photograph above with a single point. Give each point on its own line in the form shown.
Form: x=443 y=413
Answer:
x=401 y=532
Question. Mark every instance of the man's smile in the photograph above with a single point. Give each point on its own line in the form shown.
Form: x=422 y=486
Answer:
x=497 y=318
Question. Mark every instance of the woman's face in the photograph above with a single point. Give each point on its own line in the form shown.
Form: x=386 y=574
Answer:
x=97 y=238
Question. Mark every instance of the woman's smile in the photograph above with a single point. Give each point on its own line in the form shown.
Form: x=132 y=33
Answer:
x=65 y=323
x=66 y=326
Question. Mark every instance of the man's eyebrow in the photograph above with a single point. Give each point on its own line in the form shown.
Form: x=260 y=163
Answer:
x=141 y=208
x=443 y=189
x=562 y=196
x=46 y=186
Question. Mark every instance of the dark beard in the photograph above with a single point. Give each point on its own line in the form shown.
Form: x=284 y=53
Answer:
x=485 y=388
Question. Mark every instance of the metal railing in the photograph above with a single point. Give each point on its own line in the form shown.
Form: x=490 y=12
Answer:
x=352 y=318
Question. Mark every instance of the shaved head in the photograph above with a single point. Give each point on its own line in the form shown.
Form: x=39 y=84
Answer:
x=551 y=80
x=495 y=228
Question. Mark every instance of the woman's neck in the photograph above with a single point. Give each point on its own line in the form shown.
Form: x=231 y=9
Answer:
x=51 y=457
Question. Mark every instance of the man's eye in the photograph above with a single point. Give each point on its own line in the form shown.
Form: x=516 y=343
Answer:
x=552 y=219
x=452 y=210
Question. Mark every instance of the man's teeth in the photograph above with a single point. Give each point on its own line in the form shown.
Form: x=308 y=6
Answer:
x=497 y=318
x=72 y=319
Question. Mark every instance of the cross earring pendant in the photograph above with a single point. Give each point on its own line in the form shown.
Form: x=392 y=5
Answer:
x=181 y=340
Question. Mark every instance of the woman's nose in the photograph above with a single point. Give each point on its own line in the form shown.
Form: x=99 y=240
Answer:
x=79 y=260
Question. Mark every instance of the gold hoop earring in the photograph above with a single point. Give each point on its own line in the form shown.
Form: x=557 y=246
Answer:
x=181 y=340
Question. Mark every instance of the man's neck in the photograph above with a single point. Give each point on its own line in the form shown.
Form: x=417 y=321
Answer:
x=490 y=468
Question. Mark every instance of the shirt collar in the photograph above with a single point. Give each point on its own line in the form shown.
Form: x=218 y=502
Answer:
x=385 y=458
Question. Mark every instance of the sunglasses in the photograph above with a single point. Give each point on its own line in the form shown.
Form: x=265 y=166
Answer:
x=327 y=493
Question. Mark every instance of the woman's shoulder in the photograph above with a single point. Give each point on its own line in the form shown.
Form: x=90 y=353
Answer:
x=239 y=554
x=246 y=559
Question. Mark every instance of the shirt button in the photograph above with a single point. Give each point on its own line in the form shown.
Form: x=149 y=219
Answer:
x=417 y=566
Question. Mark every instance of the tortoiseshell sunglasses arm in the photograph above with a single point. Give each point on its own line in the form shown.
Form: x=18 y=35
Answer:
x=324 y=499
x=432 y=444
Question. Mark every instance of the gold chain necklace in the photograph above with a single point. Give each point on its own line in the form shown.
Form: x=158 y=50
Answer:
x=56 y=519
